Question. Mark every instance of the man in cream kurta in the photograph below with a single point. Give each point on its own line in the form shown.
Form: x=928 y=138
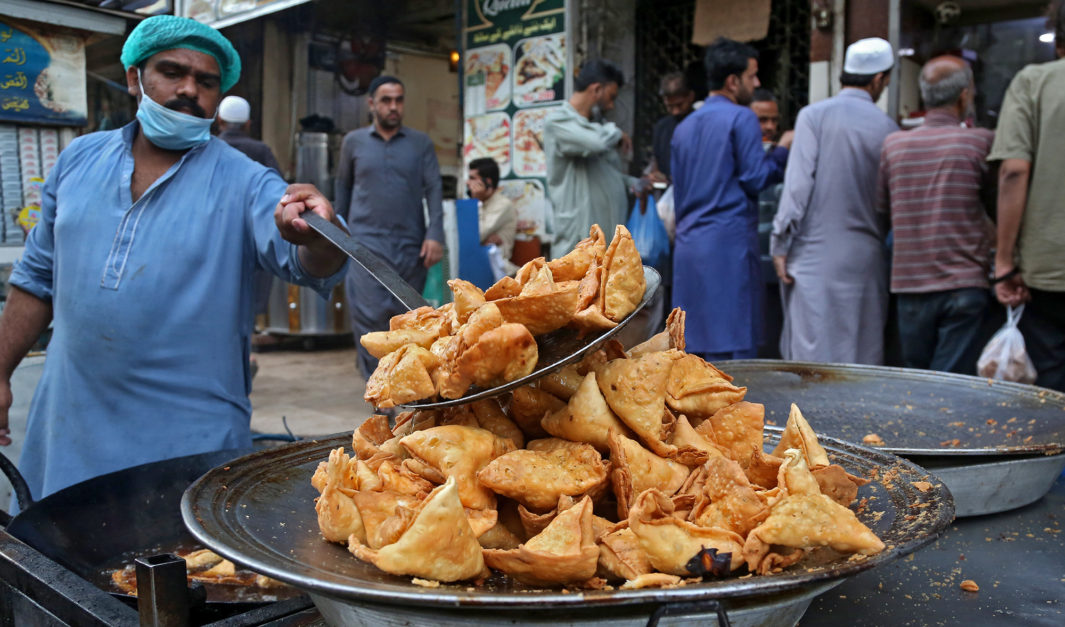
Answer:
x=584 y=178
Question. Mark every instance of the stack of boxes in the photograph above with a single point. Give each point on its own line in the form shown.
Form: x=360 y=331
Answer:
x=10 y=184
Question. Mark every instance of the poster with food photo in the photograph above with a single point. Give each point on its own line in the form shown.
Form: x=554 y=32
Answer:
x=488 y=135
x=529 y=203
x=539 y=70
x=494 y=62
x=529 y=158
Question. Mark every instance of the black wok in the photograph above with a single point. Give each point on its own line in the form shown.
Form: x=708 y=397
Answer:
x=105 y=522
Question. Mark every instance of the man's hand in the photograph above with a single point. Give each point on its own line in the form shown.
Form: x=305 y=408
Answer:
x=1011 y=292
x=786 y=139
x=5 y=406
x=625 y=144
x=320 y=258
x=476 y=188
x=780 y=264
x=432 y=252
x=493 y=239
x=298 y=198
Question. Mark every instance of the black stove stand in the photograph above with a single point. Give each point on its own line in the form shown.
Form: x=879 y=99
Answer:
x=35 y=590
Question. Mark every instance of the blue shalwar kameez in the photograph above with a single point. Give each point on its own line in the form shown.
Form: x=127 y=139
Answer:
x=719 y=166
x=152 y=306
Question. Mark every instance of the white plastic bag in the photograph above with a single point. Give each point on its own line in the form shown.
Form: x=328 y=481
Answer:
x=664 y=206
x=1005 y=357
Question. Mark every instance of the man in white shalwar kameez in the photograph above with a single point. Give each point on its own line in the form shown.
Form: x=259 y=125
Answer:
x=827 y=241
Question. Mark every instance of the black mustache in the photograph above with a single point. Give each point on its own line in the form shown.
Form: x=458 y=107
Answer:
x=186 y=105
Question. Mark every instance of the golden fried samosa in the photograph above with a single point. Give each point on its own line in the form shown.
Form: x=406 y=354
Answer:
x=671 y=543
x=338 y=517
x=401 y=377
x=422 y=319
x=438 y=544
x=468 y=298
x=528 y=406
x=736 y=429
x=671 y=337
x=396 y=477
x=381 y=343
x=693 y=448
x=623 y=281
x=320 y=476
x=370 y=435
x=798 y=434
x=620 y=556
x=794 y=476
x=804 y=521
x=762 y=468
x=838 y=484
x=365 y=477
x=732 y=503
x=378 y=509
x=697 y=389
x=574 y=264
x=503 y=288
x=586 y=418
x=499 y=537
x=459 y=452
x=450 y=380
x=491 y=416
x=562 y=383
x=636 y=469
x=635 y=389
x=564 y=552
x=501 y=355
x=541 y=306
x=529 y=270
x=537 y=478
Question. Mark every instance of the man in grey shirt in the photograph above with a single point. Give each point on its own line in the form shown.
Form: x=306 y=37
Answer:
x=384 y=173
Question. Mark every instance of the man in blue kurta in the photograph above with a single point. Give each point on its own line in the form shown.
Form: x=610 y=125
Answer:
x=143 y=261
x=719 y=166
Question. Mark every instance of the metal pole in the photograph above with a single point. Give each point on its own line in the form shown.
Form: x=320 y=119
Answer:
x=894 y=27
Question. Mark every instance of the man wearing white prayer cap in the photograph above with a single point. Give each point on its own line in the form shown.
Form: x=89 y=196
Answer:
x=827 y=240
x=234 y=117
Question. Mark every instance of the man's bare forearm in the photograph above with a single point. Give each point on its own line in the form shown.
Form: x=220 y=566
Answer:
x=25 y=318
x=1012 y=197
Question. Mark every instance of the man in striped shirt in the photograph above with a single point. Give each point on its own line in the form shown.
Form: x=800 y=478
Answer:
x=933 y=181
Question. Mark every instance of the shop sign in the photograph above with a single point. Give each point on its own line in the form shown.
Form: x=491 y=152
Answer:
x=514 y=68
x=42 y=76
x=221 y=13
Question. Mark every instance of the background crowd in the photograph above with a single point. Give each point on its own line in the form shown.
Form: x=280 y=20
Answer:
x=948 y=218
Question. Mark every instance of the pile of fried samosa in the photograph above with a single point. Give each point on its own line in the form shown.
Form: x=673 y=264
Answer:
x=487 y=338
x=645 y=467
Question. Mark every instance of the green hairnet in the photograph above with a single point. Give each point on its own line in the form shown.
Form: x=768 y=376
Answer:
x=166 y=32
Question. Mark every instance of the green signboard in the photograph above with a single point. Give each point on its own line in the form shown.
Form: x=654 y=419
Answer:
x=515 y=64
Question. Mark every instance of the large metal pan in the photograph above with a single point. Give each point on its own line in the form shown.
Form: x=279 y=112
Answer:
x=258 y=511
x=555 y=349
x=101 y=524
x=997 y=445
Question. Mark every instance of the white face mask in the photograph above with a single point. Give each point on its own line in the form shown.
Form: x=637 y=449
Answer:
x=169 y=129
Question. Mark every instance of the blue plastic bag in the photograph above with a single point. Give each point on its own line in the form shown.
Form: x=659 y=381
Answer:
x=650 y=236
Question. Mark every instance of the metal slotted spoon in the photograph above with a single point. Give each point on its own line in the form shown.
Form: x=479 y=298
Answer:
x=555 y=349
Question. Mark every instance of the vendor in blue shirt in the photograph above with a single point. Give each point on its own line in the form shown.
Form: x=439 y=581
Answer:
x=719 y=167
x=143 y=261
